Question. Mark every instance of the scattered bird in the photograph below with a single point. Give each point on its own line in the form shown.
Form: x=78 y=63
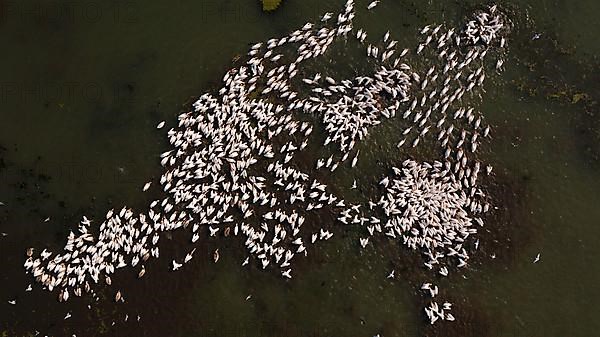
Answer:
x=373 y=5
x=146 y=186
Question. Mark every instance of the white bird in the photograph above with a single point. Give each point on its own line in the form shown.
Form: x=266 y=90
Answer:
x=147 y=186
x=216 y=255
x=373 y=4
x=29 y=288
x=354 y=160
x=86 y=221
x=287 y=273
x=160 y=125
x=13 y=302
x=188 y=257
x=391 y=274
x=364 y=242
x=176 y=265
x=537 y=258
x=68 y=315
x=326 y=16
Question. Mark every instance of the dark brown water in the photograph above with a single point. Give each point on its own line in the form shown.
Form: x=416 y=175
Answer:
x=82 y=85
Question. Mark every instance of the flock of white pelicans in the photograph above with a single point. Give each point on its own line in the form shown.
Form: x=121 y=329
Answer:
x=233 y=169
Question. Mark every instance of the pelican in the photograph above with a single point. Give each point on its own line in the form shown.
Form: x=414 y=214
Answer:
x=326 y=17
x=216 y=255
x=364 y=242
x=86 y=221
x=373 y=4
x=176 y=265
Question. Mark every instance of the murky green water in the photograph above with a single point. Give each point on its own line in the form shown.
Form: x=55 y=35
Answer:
x=83 y=84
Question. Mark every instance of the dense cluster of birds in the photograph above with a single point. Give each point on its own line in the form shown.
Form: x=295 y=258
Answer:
x=234 y=168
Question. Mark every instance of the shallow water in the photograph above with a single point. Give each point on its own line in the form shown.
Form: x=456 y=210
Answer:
x=83 y=85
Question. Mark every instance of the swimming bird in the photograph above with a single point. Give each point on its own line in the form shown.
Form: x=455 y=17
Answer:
x=216 y=255
x=176 y=265
x=234 y=156
x=373 y=4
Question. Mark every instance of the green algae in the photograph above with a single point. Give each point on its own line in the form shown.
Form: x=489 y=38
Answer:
x=270 y=5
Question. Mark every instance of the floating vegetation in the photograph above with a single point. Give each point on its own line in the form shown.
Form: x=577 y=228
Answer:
x=270 y=5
